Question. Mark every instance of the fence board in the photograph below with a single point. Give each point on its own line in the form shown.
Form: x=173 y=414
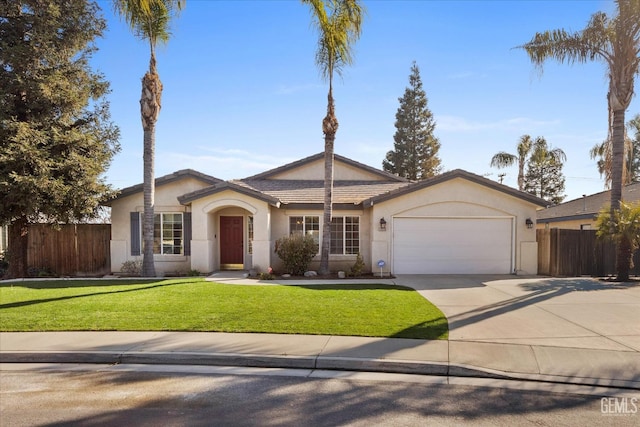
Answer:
x=577 y=253
x=71 y=250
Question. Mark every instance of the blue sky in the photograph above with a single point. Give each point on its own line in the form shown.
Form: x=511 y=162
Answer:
x=242 y=93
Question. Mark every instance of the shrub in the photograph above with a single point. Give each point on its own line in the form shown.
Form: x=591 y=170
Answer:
x=358 y=266
x=296 y=252
x=131 y=268
x=193 y=273
x=266 y=276
x=4 y=263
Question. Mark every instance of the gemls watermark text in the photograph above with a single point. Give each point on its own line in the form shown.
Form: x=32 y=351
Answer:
x=619 y=406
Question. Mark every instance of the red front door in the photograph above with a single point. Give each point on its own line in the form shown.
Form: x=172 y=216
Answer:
x=231 y=242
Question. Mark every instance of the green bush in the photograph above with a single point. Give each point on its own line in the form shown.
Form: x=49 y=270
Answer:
x=296 y=252
x=131 y=268
x=358 y=267
x=4 y=263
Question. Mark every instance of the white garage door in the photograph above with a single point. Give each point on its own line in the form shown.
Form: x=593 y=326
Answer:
x=452 y=245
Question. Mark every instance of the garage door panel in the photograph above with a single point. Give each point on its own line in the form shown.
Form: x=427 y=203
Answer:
x=452 y=245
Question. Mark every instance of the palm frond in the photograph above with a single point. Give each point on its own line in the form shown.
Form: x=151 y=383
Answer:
x=503 y=160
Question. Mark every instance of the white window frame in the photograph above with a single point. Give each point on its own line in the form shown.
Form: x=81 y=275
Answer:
x=161 y=252
x=344 y=234
x=318 y=239
x=250 y=230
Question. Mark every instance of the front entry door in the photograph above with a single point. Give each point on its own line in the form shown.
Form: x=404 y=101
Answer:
x=231 y=243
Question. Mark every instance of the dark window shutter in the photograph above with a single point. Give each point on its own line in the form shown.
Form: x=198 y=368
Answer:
x=187 y=233
x=135 y=233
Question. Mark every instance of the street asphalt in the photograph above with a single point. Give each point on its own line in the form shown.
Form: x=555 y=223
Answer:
x=565 y=330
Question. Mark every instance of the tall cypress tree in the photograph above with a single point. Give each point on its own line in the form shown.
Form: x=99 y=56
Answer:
x=56 y=137
x=415 y=148
x=544 y=177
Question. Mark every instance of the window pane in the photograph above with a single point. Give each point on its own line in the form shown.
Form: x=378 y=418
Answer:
x=312 y=227
x=250 y=234
x=337 y=236
x=296 y=225
x=352 y=235
x=157 y=234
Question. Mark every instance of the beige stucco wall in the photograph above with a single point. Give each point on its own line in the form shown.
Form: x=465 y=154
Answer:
x=336 y=262
x=205 y=245
x=166 y=200
x=341 y=172
x=457 y=198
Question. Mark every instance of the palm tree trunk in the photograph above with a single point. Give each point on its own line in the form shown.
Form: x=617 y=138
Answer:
x=148 y=187
x=149 y=110
x=521 y=162
x=18 y=245
x=617 y=143
x=623 y=259
x=329 y=128
x=623 y=256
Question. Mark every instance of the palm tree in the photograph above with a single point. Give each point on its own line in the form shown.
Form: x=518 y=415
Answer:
x=339 y=26
x=149 y=19
x=625 y=224
x=616 y=42
x=631 y=165
x=504 y=159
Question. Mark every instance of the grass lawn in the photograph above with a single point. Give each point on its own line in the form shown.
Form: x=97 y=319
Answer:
x=197 y=305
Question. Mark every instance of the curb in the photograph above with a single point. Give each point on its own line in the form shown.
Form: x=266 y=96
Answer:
x=301 y=362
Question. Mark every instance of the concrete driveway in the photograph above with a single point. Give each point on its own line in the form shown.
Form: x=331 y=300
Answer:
x=568 y=312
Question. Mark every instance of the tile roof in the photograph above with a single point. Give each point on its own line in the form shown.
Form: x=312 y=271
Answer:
x=312 y=191
x=167 y=179
x=298 y=163
x=587 y=206
x=457 y=173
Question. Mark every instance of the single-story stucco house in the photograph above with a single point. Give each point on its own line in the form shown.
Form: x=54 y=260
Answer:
x=581 y=214
x=456 y=222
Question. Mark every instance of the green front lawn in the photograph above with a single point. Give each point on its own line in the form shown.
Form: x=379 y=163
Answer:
x=197 y=305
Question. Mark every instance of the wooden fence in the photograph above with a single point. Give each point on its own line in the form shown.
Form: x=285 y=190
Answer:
x=577 y=253
x=72 y=250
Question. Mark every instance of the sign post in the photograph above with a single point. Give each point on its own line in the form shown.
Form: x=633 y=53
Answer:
x=381 y=264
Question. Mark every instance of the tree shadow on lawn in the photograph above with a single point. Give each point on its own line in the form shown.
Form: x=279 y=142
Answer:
x=68 y=297
x=78 y=283
x=353 y=287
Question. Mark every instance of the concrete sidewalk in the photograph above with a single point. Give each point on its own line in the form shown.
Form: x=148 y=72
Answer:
x=578 y=331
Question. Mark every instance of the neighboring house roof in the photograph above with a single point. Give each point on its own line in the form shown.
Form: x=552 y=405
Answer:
x=302 y=162
x=587 y=207
x=167 y=179
x=457 y=173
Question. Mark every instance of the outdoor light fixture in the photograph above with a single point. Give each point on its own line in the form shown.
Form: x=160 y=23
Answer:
x=529 y=223
x=383 y=224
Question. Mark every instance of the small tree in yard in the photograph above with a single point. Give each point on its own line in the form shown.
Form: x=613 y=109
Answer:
x=624 y=228
x=296 y=252
x=56 y=137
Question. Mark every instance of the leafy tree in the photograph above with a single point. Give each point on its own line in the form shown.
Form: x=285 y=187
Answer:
x=149 y=19
x=339 y=24
x=616 y=42
x=631 y=166
x=504 y=159
x=56 y=137
x=415 y=148
x=624 y=228
x=544 y=176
